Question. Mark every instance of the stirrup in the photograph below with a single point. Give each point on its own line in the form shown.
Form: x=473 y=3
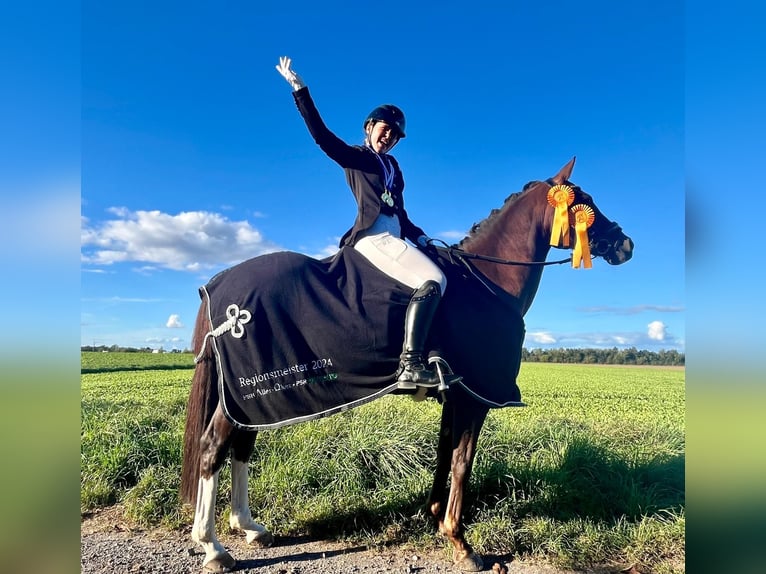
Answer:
x=446 y=376
x=443 y=371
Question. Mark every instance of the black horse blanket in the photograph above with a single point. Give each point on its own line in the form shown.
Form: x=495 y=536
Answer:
x=297 y=338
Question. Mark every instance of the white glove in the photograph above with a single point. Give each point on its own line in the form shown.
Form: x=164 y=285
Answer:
x=424 y=241
x=289 y=74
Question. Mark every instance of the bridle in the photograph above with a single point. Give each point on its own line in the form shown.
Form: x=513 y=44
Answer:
x=598 y=249
x=454 y=253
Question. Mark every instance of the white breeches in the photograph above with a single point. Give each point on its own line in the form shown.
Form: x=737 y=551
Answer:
x=400 y=260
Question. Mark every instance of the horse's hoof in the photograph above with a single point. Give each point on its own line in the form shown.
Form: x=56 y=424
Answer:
x=263 y=539
x=471 y=563
x=223 y=563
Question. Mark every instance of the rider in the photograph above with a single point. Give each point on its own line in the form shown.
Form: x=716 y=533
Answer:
x=381 y=223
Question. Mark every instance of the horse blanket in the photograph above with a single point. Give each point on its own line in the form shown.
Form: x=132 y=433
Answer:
x=297 y=338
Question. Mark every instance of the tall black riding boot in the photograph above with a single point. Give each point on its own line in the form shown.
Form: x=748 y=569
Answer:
x=420 y=312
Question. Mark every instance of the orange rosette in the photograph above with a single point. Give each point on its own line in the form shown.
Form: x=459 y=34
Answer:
x=560 y=197
x=583 y=217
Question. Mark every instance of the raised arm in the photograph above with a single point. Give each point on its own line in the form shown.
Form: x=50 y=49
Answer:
x=345 y=155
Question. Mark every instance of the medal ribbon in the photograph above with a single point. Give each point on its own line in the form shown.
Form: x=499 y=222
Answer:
x=388 y=179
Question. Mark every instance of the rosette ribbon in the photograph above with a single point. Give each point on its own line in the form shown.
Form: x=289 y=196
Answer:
x=583 y=219
x=560 y=197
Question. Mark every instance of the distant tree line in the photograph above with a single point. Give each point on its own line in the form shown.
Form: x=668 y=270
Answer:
x=119 y=349
x=613 y=356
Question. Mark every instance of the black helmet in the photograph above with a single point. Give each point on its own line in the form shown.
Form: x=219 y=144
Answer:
x=390 y=114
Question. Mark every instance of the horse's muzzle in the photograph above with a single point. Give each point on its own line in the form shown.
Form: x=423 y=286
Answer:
x=614 y=252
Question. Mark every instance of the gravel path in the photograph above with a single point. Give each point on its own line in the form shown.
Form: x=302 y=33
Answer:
x=108 y=545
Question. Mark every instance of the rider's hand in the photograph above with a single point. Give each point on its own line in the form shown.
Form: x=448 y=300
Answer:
x=284 y=68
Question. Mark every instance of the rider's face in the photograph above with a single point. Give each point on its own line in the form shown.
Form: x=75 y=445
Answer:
x=381 y=136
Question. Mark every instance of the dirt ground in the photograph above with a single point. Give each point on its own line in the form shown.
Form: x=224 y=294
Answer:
x=110 y=544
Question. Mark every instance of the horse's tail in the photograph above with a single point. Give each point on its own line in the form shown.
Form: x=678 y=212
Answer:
x=203 y=400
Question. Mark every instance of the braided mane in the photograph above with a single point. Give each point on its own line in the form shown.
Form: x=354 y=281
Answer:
x=484 y=223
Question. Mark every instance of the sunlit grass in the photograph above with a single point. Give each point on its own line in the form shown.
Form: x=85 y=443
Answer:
x=591 y=472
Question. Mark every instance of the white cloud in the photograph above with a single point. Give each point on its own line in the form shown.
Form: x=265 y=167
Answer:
x=657 y=337
x=188 y=241
x=541 y=337
x=327 y=251
x=656 y=331
x=451 y=235
x=174 y=322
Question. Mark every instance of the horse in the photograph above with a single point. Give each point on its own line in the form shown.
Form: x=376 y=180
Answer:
x=505 y=254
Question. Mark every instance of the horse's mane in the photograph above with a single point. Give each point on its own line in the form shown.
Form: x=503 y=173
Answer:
x=485 y=223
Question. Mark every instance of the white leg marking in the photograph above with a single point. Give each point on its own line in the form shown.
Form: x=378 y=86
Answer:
x=240 y=517
x=203 y=531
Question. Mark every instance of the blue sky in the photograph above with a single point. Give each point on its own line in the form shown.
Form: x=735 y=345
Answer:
x=194 y=156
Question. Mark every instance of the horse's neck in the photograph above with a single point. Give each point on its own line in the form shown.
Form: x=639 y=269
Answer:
x=517 y=233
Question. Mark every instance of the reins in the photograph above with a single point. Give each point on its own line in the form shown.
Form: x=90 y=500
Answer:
x=466 y=255
x=455 y=253
x=460 y=254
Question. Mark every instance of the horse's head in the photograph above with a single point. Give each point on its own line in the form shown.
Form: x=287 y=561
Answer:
x=605 y=237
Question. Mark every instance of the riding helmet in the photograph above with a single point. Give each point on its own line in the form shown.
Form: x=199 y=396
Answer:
x=390 y=114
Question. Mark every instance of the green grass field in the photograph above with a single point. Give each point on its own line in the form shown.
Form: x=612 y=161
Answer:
x=590 y=473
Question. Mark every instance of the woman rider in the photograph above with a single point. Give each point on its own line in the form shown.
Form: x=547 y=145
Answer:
x=381 y=223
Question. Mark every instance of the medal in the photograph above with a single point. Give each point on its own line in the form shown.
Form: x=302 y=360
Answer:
x=388 y=178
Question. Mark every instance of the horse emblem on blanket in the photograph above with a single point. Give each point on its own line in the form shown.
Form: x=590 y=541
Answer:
x=297 y=338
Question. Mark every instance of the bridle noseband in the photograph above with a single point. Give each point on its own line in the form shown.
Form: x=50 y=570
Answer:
x=602 y=246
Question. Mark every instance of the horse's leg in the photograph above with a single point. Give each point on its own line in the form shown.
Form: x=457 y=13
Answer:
x=466 y=428
x=214 y=445
x=437 y=499
x=240 y=517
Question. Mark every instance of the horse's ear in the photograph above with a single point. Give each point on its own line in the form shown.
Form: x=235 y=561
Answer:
x=565 y=172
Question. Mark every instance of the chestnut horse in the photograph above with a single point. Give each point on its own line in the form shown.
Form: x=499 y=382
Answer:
x=506 y=250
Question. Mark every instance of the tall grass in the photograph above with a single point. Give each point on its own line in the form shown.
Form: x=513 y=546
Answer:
x=592 y=472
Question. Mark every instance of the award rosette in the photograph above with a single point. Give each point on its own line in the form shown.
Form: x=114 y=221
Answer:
x=560 y=197
x=583 y=218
